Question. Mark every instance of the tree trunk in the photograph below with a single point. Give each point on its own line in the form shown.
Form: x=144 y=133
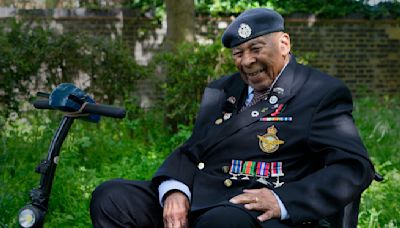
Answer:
x=180 y=22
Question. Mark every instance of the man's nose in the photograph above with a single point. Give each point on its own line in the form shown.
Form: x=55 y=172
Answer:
x=247 y=60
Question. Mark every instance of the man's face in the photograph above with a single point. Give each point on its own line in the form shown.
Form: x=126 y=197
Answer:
x=261 y=59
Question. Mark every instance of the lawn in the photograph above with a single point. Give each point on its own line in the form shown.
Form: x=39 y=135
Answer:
x=134 y=148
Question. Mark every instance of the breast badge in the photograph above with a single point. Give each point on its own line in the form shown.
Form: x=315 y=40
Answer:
x=269 y=142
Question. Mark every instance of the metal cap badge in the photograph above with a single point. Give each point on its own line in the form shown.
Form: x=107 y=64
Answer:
x=244 y=30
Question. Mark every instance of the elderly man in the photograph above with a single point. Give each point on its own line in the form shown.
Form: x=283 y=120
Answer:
x=274 y=145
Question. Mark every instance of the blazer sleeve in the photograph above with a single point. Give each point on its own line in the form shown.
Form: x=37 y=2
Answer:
x=347 y=169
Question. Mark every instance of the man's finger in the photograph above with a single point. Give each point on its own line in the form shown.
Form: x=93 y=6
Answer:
x=251 y=191
x=243 y=198
x=265 y=216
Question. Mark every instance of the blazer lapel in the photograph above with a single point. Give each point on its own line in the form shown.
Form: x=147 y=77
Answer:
x=285 y=88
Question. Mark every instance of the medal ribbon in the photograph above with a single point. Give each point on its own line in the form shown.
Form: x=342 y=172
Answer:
x=236 y=166
x=248 y=168
x=262 y=169
x=276 y=169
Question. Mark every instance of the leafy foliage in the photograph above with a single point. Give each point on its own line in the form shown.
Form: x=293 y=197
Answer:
x=189 y=70
x=322 y=9
x=33 y=56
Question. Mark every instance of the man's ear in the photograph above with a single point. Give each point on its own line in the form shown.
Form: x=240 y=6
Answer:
x=284 y=44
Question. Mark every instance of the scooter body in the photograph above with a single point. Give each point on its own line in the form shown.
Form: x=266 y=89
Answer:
x=75 y=104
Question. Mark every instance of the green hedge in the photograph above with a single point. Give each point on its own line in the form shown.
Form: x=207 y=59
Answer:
x=32 y=57
x=188 y=71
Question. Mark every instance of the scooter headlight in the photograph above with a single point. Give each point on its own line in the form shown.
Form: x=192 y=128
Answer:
x=27 y=217
x=30 y=216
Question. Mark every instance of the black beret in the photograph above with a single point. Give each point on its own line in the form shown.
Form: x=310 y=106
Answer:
x=251 y=24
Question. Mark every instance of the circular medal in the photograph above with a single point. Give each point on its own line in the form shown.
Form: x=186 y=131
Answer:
x=273 y=99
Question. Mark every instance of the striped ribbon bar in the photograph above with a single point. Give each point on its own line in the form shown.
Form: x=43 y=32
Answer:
x=248 y=168
x=277 y=119
x=236 y=166
x=262 y=169
x=276 y=169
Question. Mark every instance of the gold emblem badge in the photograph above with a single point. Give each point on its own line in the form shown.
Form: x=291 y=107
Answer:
x=269 y=142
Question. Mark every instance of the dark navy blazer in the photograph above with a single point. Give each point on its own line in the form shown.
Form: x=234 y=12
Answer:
x=324 y=162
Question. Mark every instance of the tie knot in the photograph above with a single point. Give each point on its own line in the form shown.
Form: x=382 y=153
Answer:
x=259 y=94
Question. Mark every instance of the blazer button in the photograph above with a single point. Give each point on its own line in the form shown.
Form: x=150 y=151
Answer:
x=225 y=169
x=200 y=165
x=228 y=183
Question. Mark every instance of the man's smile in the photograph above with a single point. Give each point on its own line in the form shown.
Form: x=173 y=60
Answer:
x=254 y=73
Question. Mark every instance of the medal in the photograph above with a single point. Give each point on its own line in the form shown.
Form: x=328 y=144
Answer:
x=276 y=171
x=236 y=168
x=269 y=142
x=248 y=169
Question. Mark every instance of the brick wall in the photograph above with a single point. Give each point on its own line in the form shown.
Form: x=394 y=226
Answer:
x=364 y=54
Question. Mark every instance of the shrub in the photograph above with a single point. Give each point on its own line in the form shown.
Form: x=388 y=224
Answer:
x=36 y=57
x=188 y=72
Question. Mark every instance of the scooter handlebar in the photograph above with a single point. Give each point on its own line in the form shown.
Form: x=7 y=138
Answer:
x=100 y=109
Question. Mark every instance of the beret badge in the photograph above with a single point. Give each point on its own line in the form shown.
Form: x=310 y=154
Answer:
x=244 y=30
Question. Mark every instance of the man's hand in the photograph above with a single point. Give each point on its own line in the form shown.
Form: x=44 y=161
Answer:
x=260 y=200
x=176 y=209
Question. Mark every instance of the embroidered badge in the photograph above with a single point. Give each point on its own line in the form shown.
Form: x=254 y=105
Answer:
x=244 y=30
x=269 y=142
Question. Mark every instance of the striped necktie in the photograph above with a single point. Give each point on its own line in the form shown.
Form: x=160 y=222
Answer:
x=257 y=96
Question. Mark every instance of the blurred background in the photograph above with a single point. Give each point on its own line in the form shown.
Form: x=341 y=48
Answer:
x=154 y=58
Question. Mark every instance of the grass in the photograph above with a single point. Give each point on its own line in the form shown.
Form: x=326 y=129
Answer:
x=379 y=125
x=133 y=148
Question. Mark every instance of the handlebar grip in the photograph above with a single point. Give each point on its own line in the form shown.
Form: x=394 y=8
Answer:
x=100 y=109
x=42 y=104
x=104 y=110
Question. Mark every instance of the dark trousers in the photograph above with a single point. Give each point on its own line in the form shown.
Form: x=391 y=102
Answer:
x=124 y=203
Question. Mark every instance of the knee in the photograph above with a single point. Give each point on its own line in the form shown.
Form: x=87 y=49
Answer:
x=225 y=216
x=106 y=192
